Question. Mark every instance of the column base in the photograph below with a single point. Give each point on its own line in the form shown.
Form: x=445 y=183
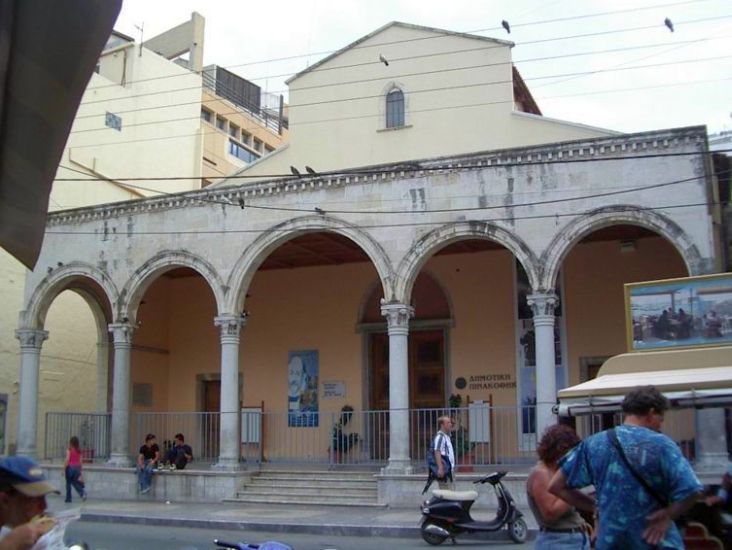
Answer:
x=228 y=465
x=398 y=467
x=119 y=461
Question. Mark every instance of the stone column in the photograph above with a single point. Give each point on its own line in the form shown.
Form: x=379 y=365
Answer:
x=397 y=317
x=711 y=441
x=102 y=376
x=31 y=341
x=122 y=334
x=229 y=434
x=542 y=305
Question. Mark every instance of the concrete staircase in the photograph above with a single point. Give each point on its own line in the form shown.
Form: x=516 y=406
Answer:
x=309 y=487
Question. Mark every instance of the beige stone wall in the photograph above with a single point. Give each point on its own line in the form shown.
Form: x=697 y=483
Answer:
x=337 y=110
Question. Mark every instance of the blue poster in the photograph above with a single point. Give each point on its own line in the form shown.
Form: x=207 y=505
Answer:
x=302 y=389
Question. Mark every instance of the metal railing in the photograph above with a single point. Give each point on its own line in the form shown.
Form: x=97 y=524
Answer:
x=92 y=429
x=484 y=436
x=200 y=429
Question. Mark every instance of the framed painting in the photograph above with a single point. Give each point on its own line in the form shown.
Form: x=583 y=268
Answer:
x=679 y=313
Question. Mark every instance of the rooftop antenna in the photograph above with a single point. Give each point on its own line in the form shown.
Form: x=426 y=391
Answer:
x=141 y=28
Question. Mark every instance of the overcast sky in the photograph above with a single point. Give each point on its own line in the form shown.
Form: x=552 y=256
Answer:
x=247 y=36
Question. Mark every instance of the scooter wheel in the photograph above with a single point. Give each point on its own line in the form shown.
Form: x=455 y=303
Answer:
x=431 y=538
x=518 y=531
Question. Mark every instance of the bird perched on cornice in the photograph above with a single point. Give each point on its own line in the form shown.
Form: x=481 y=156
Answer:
x=295 y=171
x=383 y=60
x=669 y=24
x=506 y=26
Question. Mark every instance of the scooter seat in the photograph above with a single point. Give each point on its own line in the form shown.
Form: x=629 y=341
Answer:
x=444 y=494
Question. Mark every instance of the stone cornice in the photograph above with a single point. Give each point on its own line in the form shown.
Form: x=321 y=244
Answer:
x=626 y=144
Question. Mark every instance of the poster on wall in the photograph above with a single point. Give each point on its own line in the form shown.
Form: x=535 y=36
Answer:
x=679 y=313
x=302 y=392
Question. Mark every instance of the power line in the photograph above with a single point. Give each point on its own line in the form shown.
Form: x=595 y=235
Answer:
x=541 y=41
x=443 y=88
x=407 y=166
x=497 y=28
x=545 y=98
x=437 y=210
x=381 y=225
x=513 y=62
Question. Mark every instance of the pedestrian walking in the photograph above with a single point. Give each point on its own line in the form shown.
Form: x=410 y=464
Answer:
x=72 y=470
x=444 y=453
x=642 y=481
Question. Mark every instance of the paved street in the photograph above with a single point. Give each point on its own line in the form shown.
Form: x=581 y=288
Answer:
x=108 y=536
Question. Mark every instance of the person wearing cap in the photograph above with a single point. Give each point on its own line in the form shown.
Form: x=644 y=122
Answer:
x=23 y=490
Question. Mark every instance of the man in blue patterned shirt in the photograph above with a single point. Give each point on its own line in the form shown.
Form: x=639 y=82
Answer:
x=630 y=516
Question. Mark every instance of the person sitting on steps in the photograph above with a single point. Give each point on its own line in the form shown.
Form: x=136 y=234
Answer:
x=180 y=454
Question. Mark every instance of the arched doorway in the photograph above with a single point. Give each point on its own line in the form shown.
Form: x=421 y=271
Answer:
x=300 y=357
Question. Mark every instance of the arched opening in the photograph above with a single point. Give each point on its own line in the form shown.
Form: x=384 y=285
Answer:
x=300 y=355
x=74 y=369
x=175 y=361
x=594 y=272
x=476 y=340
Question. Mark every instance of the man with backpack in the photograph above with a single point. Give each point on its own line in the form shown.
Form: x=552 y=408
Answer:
x=443 y=453
x=642 y=480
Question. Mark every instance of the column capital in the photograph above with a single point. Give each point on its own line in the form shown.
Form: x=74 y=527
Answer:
x=230 y=325
x=31 y=337
x=397 y=316
x=542 y=304
x=121 y=333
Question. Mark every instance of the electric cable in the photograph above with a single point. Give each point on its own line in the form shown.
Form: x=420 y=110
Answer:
x=245 y=205
x=555 y=215
x=513 y=62
x=357 y=46
x=511 y=101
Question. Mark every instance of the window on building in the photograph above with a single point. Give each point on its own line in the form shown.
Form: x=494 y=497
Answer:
x=113 y=121
x=241 y=152
x=234 y=131
x=246 y=138
x=395 y=109
x=258 y=144
x=206 y=115
x=268 y=149
x=220 y=123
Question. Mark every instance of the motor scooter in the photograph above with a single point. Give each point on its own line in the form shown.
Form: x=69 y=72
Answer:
x=447 y=514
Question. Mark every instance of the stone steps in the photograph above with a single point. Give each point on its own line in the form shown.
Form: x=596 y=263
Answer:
x=310 y=487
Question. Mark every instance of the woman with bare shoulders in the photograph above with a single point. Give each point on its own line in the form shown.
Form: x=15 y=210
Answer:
x=560 y=524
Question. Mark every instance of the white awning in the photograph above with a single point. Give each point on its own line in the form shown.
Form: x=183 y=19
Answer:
x=688 y=378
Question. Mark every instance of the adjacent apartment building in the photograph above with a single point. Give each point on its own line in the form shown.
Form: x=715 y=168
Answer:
x=150 y=110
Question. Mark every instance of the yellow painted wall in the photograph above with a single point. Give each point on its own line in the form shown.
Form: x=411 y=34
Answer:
x=301 y=309
x=68 y=377
x=594 y=274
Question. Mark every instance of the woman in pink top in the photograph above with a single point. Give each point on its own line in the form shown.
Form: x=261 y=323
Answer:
x=72 y=469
